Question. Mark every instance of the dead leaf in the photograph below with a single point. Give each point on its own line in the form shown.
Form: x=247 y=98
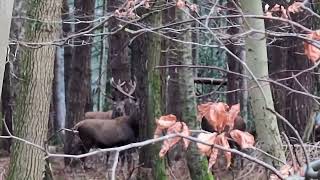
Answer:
x=244 y=139
x=213 y=158
x=167 y=121
x=207 y=138
x=178 y=127
x=181 y=4
x=203 y=109
x=218 y=115
x=222 y=140
x=185 y=132
x=296 y=7
x=312 y=52
x=232 y=115
x=194 y=8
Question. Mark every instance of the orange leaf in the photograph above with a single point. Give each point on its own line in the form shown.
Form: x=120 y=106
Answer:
x=244 y=139
x=312 y=52
x=167 y=121
x=217 y=116
x=207 y=138
x=232 y=115
x=222 y=141
x=185 y=132
x=194 y=7
x=213 y=158
x=181 y=4
x=296 y=7
x=178 y=127
x=203 y=109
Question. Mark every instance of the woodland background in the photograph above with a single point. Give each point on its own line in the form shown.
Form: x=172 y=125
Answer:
x=61 y=55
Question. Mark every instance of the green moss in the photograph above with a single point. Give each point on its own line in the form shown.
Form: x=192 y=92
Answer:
x=160 y=169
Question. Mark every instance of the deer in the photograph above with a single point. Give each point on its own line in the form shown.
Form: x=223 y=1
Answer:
x=116 y=127
x=117 y=105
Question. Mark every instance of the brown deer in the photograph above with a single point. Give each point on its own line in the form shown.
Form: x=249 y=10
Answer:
x=118 y=103
x=99 y=130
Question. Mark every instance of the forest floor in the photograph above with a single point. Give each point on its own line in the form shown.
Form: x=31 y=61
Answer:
x=97 y=167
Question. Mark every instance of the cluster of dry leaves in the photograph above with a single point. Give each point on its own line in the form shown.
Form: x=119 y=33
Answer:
x=289 y=170
x=182 y=4
x=311 y=51
x=296 y=7
x=221 y=117
x=127 y=9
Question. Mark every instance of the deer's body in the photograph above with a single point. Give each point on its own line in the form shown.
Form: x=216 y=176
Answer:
x=99 y=115
x=101 y=133
x=113 y=128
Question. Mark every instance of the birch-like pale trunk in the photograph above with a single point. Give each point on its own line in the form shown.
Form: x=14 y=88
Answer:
x=260 y=98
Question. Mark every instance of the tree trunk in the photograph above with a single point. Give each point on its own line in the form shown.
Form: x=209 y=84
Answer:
x=78 y=93
x=118 y=50
x=6 y=7
x=197 y=164
x=6 y=99
x=154 y=102
x=261 y=99
x=35 y=90
x=16 y=32
x=67 y=55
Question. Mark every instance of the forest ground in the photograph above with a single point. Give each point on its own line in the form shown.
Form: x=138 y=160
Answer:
x=97 y=168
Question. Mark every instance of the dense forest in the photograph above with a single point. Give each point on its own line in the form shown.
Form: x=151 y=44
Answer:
x=159 y=89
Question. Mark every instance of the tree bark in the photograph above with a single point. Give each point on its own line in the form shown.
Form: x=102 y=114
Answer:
x=6 y=7
x=118 y=55
x=261 y=98
x=197 y=164
x=78 y=93
x=34 y=92
x=154 y=100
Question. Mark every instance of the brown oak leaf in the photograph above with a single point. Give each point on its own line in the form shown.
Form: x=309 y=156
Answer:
x=312 y=52
x=223 y=141
x=181 y=4
x=167 y=121
x=296 y=7
x=244 y=139
x=178 y=127
x=232 y=115
x=213 y=158
x=207 y=138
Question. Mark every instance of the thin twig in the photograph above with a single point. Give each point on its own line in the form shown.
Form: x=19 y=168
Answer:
x=305 y=153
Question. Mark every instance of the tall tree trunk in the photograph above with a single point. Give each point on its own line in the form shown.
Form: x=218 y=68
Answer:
x=154 y=102
x=59 y=88
x=16 y=33
x=197 y=164
x=6 y=99
x=67 y=53
x=6 y=7
x=78 y=94
x=261 y=99
x=34 y=92
x=118 y=50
